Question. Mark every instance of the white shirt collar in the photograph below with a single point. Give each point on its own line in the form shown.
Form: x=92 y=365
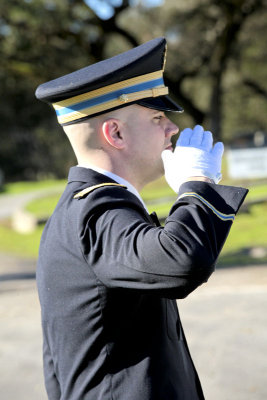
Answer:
x=117 y=179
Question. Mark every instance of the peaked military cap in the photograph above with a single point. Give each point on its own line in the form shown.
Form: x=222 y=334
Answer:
x=135 y=76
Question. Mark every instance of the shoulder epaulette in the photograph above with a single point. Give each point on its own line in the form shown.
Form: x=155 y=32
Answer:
x=85 y=191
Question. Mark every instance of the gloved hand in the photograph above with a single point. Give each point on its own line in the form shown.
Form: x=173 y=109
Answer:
x=193 y=156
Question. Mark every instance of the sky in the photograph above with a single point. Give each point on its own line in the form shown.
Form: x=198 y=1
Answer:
x=104 y=9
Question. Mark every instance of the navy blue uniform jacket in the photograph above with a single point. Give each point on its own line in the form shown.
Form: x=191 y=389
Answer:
x=108 y=278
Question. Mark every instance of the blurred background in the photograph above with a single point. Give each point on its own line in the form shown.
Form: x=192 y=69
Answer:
x=216 y=69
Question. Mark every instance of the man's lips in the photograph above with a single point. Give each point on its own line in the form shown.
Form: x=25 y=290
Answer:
x=169 y=147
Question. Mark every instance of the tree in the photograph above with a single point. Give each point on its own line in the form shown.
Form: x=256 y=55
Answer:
x=211 y=71
x=204 y=45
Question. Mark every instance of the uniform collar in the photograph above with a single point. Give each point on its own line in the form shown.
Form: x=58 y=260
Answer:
x=117 y=179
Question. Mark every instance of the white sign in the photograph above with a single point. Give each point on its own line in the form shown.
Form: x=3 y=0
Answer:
x=247 y=163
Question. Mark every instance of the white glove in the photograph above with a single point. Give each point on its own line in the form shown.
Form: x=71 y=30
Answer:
x=193 y=156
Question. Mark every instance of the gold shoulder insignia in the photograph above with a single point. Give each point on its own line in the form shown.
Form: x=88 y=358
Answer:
x=91 y=188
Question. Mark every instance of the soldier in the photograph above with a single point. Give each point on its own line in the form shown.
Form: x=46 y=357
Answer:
x=108 y=274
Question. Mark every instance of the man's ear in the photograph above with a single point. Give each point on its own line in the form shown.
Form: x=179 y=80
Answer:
x=111 y=132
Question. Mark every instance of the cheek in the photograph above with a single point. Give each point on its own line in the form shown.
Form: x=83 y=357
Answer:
x=146 y=141
x=155 y=142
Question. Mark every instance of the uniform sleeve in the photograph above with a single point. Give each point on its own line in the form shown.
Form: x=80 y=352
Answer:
x=127 y=252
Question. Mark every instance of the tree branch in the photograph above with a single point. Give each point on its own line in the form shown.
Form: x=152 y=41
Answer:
x=184 y=101
x=256 y=87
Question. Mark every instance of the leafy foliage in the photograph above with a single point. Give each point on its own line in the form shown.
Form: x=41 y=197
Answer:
x=215 y=67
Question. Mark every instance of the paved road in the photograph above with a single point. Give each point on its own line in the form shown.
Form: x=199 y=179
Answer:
x=225 y=323
x=9 y=203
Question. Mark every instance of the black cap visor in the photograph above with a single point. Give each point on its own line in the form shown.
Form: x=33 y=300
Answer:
x=162 y=103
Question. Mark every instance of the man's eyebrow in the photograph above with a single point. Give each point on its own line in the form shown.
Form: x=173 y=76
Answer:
x=157 y=111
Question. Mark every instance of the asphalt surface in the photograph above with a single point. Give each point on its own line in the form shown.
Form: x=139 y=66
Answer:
x=10 y=203
x=225 y=322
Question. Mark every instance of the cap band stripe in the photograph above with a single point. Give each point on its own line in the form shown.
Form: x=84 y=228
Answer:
x=112 y=104
x=110 y=88
x=108 y=97
x=149 y=85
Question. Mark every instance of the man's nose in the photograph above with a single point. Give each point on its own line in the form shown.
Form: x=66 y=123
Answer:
x=171 y=129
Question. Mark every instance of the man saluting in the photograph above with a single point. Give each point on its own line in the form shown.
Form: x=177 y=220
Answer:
x=108 y=274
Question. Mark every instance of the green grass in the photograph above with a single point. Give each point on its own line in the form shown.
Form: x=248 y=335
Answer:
x=239 y=258
x=249 y=228
x=257 y=192
x=248 y=231
x=157 y=189
x=162 y=209
x=22 y=245
x=44 y=206
x=22 y=187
